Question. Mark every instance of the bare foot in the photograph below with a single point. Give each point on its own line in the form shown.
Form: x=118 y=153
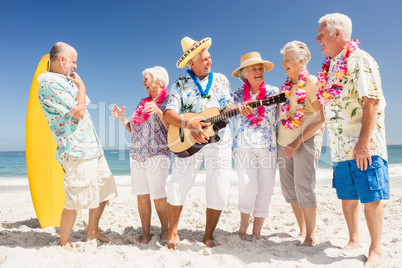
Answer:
x=374 y=259
x=308 y=242
x=97 y=235
x=301 y=235
x=241 y=235
x=145 y=239
x=209 y=243
x=67 y=246
x=258 y=237
x=352 y=245
x=173 y=243
x=164 y=235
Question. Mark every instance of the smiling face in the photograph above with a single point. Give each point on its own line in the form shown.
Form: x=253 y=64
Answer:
x=331 y=45
x=292 y=67
x=201 y=66
x=255 y=74
x=152 y=87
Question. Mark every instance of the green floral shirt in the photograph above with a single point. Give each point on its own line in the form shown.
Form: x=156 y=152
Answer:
x=344 y=113
x=57 y=96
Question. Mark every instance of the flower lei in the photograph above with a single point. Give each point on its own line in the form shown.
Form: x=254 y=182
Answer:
x=139 y=116
x=326 y=94
x=195 y=79
x=286 y=121
x=260 y=109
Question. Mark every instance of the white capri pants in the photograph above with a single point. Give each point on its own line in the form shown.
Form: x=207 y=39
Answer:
x=256 y=169
x=218 y=165
x=149 y=176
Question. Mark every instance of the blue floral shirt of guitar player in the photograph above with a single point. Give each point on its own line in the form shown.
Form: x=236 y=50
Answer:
x=186 y=98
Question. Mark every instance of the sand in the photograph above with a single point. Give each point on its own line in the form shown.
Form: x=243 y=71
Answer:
x=24 y=244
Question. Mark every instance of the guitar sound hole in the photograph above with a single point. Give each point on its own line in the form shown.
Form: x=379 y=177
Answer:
x=181 y=134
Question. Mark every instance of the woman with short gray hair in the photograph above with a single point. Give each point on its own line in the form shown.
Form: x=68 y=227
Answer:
x=149 y=153
x=300 y=138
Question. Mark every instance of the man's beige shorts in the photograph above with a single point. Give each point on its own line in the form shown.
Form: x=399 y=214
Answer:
x=87 y=183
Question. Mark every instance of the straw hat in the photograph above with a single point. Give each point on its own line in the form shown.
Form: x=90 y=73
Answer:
x=191 y=48
x=252 y=58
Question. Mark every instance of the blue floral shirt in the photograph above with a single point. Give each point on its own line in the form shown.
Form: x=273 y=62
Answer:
x=262 y=136
x=57 y=96
x=186 y=98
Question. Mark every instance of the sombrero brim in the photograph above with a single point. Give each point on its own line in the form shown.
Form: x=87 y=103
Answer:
x=268 y=66
x=193 y=51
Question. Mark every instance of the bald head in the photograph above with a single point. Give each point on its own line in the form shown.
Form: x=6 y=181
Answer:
x=63 y=58
x=60 y=49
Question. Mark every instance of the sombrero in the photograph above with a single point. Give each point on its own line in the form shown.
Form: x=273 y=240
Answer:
x=252 y=58
x=191 y=48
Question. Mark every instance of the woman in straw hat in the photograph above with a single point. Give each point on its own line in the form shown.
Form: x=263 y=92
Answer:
x=150 y=155
x=300 y=138
x=254 y=143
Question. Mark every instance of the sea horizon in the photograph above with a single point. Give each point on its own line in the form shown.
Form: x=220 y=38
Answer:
x=13 y=165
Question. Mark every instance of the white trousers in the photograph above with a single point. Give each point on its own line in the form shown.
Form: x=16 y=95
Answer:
x=256 y=169
x=218 y=165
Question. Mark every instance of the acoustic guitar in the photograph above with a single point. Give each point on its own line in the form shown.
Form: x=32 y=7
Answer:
x=182 y=143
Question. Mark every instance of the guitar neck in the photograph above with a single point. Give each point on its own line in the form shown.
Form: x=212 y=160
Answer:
x=236 y=111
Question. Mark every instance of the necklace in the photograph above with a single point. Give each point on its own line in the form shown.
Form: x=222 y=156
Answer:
x=139 y=116
x=260 y=109
x=195 y=79
x=286 y=121
x=326 y=94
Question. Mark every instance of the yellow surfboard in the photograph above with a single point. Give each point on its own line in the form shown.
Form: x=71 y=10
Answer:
x=45 y=174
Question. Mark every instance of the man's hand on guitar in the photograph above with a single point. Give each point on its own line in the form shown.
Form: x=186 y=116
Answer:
x=245 y=109
x=196 y=131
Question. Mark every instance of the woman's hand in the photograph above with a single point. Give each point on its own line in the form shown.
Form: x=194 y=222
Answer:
x=245 y=109
x=292 y=147
x=118 y=113
x=152 y=108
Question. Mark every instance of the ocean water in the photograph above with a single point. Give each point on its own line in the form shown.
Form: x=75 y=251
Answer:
x=13 y=164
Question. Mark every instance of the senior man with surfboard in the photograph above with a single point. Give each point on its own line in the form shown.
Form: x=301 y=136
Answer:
x=198 y=90
x=88 y=182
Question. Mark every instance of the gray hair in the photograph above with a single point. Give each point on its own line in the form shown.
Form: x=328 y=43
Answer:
x=300 y=51
x=244 y=71
x=159 y=74
x=338 y=21
x=195 y=58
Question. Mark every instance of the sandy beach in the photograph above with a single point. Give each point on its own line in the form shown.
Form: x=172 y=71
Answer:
x=24 y=244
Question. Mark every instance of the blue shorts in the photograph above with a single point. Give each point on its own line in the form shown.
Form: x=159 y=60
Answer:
x=367 y=186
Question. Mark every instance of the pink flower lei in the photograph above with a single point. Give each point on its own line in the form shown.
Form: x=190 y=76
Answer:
x=260 y=109
x=325 y=94
x=286 y=121
x=139 y=116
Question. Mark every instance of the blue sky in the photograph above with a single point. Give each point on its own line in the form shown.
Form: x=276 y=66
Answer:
x=116 y=40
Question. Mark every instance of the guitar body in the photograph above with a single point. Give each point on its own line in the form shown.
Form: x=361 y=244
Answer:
x=180 y=140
